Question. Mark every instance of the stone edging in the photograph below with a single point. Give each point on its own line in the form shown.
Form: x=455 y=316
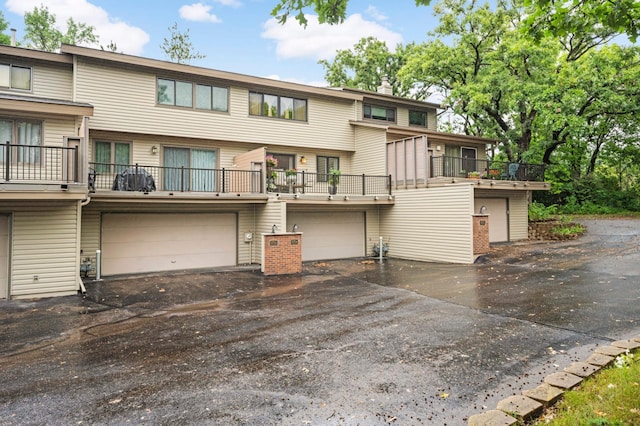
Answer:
x=531 y=403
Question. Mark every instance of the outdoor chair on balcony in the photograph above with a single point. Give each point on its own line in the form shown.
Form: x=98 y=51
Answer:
x=512 y=171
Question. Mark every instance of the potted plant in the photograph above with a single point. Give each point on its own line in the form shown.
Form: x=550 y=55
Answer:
x=473 y=175
x=271 y=174
x=291 y=175
x=334 y=180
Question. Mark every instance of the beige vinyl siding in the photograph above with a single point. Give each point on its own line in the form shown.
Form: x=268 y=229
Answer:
x=432 y=224
x=274 y=212
x=56 y=129
x=130 y=106
x=90 y=233
x=518 y=211
x=45 y=245
x=518 y=216
x=432 y=120
x=370 y=155
x=402 y=116
x=48 y=80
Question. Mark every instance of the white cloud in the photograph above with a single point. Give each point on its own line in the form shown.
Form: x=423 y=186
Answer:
x=232 y=3
x=321 y=41
x=128 y=38
x=198 y=12
x=374 y=13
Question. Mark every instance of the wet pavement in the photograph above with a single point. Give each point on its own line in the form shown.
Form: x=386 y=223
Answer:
x=347 y=342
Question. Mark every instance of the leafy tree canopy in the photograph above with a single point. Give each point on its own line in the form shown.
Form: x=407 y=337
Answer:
x=41 y=33
x=4 y=38
x=178 y=47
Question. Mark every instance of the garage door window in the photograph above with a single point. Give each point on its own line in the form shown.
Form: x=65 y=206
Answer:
x=189 y=169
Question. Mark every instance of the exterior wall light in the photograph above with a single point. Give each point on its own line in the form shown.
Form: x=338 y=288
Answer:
x=154 y=149
x=303 y=160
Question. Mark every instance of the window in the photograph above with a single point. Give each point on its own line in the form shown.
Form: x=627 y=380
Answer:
x=25 y=133
x=181 y=94
x=277 y=106
x=189 y=169
x=325 y=165
x=377 y=112
x=418 y=118
x=285 y=161
x=112 y=157
x=15 y=77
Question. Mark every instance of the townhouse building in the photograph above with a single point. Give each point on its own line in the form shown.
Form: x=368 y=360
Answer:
x=161 y=166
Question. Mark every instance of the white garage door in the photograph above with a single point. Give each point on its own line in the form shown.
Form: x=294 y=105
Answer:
x=333 y=235
x=498 y=218
x=144 y=242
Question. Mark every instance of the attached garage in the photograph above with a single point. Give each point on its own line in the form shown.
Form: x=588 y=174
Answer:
x=498 y=209
x=149 y=242
x=330 y=235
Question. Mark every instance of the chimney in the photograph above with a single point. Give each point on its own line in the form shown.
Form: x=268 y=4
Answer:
x=385 y=88
x=13 y=37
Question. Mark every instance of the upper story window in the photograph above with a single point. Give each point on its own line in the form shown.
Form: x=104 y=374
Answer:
x=186 y=94
x=15 y=77
x=378 y=112
x=275 y=106
x=112 y=156
x=324 y=165
x=418 y=118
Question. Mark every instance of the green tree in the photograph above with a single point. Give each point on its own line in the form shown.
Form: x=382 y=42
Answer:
x=41 y=34
x=4 y=38
x=178 y=47
x=366 y=63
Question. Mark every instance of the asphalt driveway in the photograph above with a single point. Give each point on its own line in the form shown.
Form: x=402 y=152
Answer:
x=347 y=342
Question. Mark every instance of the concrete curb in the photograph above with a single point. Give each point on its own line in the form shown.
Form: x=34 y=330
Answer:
x=531 y=403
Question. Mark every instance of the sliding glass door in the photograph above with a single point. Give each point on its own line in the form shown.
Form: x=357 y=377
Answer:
x=189 y=169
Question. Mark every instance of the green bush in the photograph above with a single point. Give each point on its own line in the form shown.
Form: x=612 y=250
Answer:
x=538 y=212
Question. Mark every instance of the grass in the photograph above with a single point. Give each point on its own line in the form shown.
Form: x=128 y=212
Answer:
x=610 y=398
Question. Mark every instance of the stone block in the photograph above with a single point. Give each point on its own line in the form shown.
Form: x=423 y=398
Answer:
x=626 y=344
x=491 y=418
x=545 y=394
x=599 y=359
x=609 y=350
x=582 y=369
x=563 y=380
x=520 y=406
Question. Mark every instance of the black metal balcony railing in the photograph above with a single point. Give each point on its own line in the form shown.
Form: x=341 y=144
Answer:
x=445 y=166
x=322 y=183
x=128 y=177
x=136 y=177
x=38 y=164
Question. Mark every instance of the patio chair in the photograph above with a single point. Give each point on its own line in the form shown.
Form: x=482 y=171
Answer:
x=513 y=171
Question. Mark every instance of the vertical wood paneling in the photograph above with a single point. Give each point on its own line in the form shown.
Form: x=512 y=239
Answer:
x=431 y=224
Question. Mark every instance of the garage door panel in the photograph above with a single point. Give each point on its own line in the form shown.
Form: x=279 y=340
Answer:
x=147 y=242
x=330 y=235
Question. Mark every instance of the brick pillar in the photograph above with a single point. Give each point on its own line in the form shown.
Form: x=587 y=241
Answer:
x=282 y=253
x=480 y=233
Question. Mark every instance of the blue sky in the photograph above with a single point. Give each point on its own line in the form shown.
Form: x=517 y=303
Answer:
x=236 y=35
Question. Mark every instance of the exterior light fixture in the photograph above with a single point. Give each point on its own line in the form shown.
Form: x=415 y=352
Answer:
x=303 y=160
x=154 y=149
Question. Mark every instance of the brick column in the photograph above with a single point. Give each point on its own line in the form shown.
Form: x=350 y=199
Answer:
x=282 y=253
x=480 y=233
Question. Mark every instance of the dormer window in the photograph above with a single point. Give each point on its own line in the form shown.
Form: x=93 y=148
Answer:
x=378 y=112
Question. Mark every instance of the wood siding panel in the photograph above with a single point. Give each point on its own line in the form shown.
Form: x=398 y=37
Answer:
x=56 y=130
x=45 y=245
x=432 y=224
x=49 y=81
x=370 y=157
x=274 y=212
x=130 y=107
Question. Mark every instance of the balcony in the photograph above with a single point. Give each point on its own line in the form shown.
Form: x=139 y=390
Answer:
x=289 y=182
x=471 y=168
x=26 y=164
x=143 y=178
